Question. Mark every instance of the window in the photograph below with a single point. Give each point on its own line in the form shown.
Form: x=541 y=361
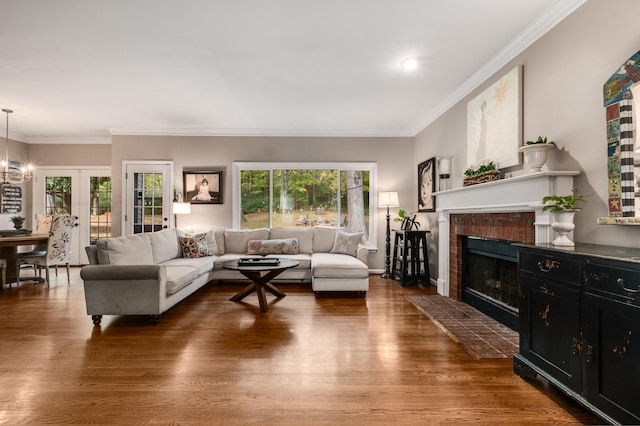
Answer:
x=100 y=207
x=304 y=195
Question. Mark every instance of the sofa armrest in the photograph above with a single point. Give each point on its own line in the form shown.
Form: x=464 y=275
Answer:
x=124 y=289
x=123 y=272
x=363 y=253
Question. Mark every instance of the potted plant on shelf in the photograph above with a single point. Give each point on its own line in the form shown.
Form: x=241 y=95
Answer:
x=536 y=152
x=408 y=220
x=563 y=209
x=17 y=221
x=486 y=172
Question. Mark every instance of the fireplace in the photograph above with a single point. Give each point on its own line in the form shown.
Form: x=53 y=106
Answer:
x=507 y=209
x=490 y=278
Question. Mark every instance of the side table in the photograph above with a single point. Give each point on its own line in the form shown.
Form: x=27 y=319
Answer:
x=410 y=258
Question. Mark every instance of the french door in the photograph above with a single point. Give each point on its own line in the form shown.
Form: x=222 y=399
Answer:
x=148 y=196
x=85 y=193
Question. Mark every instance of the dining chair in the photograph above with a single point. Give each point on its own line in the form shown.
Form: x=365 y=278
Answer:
x=57 y=250
x=43 y=226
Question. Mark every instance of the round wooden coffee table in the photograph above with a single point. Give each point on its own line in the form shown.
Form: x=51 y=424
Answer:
x=260 y=275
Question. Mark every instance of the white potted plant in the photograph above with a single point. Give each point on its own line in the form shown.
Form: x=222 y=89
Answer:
x=536 y=152
x=563 y=209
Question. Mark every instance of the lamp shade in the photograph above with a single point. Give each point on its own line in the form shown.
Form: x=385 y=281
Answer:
x=388 y=199
x=181 y=208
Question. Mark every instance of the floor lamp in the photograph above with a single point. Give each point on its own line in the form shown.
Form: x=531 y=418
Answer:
x=388 y=199
x=179 y=207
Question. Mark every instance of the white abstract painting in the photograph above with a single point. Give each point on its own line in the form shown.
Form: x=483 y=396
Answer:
x=494 y=129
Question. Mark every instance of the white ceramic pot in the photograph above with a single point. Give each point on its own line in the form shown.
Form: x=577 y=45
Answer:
x=562 y=223
x=536 y=155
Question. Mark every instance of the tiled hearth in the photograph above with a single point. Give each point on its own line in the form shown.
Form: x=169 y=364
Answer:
x=507 y=209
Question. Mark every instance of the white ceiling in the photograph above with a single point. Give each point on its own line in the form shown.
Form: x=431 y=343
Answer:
x=77 y=70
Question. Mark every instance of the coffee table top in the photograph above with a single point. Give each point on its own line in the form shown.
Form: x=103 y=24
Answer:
x=283 y=264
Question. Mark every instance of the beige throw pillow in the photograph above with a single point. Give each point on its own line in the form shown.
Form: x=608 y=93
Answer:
x=195 y=246
x=277 y=246
x=346 y=243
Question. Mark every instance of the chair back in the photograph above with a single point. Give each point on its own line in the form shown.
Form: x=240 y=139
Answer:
x=43 y=224
x=59 y=245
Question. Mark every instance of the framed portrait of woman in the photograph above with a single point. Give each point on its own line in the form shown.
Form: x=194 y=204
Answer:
x=203 y=186
x=427 y=185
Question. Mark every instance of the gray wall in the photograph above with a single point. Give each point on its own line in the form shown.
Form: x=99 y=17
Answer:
x=564 y=72
x=393 y=156
x=70 y=155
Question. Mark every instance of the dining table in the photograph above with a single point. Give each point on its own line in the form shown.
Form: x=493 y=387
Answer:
x=9 y=249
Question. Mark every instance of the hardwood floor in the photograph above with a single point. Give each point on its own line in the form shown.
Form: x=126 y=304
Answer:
x=327 y=361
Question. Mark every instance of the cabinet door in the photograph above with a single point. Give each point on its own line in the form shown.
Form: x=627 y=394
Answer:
x=612 y=357
x=550 y=328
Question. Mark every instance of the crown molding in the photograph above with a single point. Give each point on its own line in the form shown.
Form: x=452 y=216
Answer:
x=69 y=140
x=524 y=39
x=159 y=131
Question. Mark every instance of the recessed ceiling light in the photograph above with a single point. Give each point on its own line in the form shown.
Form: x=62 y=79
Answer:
x=409 y=64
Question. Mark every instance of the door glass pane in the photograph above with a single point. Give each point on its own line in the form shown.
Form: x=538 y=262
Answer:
x=58 y=195
x=147 y=202
x=100 y=208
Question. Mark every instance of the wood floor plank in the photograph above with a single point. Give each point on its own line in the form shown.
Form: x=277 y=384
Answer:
x=333 y=360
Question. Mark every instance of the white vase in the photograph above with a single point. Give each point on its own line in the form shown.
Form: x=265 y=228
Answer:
x=562 y=223
x=536 y=155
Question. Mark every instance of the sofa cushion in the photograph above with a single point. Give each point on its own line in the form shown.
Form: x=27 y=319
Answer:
x=132 y=249
x=179 y=276
x=330 y=265
x=277 y=246
x=346 y=243
x=194 y=246
x=215 y=237
x=202 y=264
x=236 y=240
x=164 y=245
x=323 y=239
x=304 y=236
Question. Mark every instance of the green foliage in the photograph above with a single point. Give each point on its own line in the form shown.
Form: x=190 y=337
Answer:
x=559 y=203
x=485 y=167
x=540 y=140
x=17 y=219
x=402 y=215
x=305 y=189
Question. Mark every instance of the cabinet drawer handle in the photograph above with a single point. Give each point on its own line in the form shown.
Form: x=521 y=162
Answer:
x=622 y=284
x=576 y=347
x=589 y=356
x=548 y=265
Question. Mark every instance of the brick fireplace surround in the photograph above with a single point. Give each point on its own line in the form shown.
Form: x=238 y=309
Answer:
x=516 y=227
x=507 y=209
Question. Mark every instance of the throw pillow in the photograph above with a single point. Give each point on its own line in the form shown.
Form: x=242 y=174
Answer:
x=276 y=246
x=346 y=243
x=195 y=246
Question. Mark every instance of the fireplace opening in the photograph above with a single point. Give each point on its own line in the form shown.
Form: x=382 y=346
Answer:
x=490 y=278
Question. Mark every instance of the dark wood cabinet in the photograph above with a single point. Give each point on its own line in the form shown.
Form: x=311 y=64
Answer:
x=580 y=325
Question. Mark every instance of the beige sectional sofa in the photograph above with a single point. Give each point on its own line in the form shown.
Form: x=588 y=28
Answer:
x=146 y=274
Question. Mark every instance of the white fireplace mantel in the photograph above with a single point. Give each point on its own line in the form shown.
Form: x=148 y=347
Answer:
x=517 y=194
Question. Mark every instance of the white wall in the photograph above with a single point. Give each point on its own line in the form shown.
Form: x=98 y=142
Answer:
x=564 y=72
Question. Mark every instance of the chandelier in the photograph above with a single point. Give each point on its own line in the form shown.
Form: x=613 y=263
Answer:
x=13 y=172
